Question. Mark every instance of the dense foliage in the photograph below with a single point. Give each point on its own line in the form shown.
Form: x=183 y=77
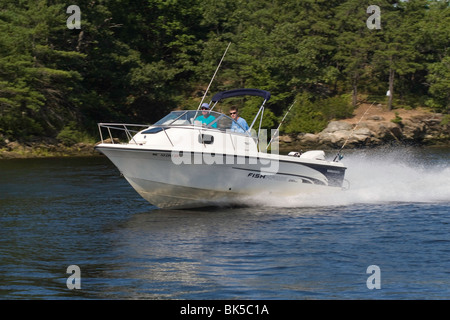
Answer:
x=135 y=60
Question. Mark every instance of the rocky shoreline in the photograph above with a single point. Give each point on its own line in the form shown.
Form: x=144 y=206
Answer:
x=374 y=129
x=44 y=148
x=365 y=130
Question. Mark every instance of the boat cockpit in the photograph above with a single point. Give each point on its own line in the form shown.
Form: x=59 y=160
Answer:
x=216 y=120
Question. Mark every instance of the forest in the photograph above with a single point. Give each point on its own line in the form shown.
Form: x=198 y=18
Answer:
x=62 y=71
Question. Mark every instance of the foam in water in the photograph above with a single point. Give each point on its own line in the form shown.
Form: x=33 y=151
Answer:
x=384 y=176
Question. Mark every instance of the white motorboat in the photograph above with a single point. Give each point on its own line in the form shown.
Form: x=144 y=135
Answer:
x=178 y=162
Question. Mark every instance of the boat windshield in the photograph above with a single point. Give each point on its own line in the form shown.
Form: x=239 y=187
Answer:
x=213 y=120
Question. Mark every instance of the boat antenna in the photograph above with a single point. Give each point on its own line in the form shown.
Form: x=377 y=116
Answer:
x=282 y=121
x=338 y=155
x=207 y=89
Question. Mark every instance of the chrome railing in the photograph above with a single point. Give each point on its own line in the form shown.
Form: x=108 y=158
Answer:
x=125 y=127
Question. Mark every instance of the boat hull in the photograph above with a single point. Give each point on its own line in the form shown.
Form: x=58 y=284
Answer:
x=170 y=181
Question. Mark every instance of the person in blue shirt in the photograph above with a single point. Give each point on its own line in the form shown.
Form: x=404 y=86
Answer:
x=206 y=118
x=241 y=125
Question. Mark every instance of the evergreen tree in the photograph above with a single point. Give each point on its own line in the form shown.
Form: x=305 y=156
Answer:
x=136 y=60
x=36 y=77
x=355 y=45
x=434 y=47
x=399 y=54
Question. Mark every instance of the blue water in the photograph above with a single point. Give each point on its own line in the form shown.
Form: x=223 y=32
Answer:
x=79 y=211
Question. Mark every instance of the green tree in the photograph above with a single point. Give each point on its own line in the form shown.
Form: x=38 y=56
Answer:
x=434 y=47
x=439 y=80
x=136 y=60
x=355 y=45
x=312 y=115
x=399 y=53
x=35 y=76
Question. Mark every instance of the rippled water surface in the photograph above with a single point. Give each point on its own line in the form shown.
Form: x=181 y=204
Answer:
x=79 y=211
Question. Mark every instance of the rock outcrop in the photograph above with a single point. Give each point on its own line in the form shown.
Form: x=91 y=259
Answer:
x=40 y=148
x=423 y=129
x=412 y=127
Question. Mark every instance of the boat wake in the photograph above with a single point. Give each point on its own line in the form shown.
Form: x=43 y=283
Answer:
x=379 y=177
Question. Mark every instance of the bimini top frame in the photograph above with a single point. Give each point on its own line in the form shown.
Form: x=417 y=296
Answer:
x=240 y=92
x=245 y=92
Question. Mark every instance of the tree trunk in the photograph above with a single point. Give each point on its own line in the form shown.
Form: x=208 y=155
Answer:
x=80 y=40
x=354 y=95
x=391 y=87
x=355 y=89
